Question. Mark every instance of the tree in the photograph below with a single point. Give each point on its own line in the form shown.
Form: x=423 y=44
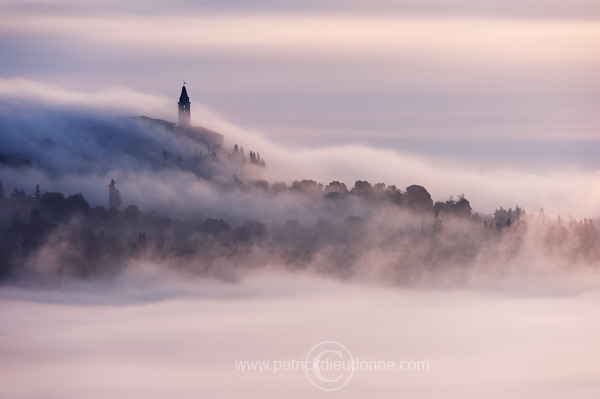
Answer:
x=417 y=198
x=237 y=155
x=77 y=203
x=393 y=194
x=362 y=188
x=132 y=213
x=114 y=196
x=438 y=225
x=215 y=226
x=307 y=187
x=378 y=190
x=18 y=194
x=262 y=185
x=256 y=159
x=278 y=187
x=463 y=207
x=54 y=206
x=460 y=208
x=37 y=195
x=141 y=241
x=335 y=189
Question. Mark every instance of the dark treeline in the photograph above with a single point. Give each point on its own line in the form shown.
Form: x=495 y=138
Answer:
x=238 y=156
x=402 y=234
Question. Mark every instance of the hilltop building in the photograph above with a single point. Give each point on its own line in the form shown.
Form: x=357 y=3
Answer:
x=198 y=133
x=184 y=108
x=211 y=139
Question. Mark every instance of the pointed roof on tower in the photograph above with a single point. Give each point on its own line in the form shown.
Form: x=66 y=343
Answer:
x=183 y=98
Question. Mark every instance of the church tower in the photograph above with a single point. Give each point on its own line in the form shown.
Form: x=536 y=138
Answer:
x=184 y=108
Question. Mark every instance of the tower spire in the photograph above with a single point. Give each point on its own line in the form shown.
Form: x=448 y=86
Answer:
x=184 y=107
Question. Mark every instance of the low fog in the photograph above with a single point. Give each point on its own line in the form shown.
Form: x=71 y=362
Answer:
x=199 y=257
x=151 y=335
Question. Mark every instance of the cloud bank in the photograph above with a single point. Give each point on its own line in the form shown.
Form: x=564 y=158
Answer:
x=54 y=139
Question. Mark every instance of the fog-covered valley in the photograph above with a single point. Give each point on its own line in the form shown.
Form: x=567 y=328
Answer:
x=136 y=263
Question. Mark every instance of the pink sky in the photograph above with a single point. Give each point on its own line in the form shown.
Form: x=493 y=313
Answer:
x=309 y=73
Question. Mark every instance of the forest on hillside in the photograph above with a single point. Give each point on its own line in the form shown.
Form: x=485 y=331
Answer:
x=399 y=235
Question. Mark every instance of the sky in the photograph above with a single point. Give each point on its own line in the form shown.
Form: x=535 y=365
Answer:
x=488 y=82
